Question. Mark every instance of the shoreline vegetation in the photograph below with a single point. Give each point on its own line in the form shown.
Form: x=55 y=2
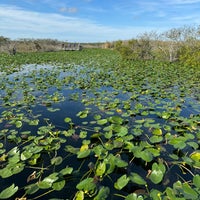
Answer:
x=177 y=44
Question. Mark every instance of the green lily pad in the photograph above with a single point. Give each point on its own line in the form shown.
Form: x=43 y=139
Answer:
x=195 y=156
x=48 y=181
x=83 y=154
x=18 y=124
x=58 y=185
x=79 y=195
x=157 y=131
x=116 y=120
x=101 y=168
x=196 y=180
x=134 y=196
x=67 y=170
x=189 y=193
x=102 y=194
x=56 y=160
x=102 y=121
x=136 y=178
x=157 y=173
x=86 y=185
x=31 y=189
x=121 y=182
x=9 y=192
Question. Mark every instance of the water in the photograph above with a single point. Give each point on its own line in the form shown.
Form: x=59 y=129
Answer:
x=49 y=94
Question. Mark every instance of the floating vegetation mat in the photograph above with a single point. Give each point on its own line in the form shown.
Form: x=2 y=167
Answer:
x=87 y=125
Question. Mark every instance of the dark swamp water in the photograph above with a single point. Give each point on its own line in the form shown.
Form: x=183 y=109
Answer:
x=58 y=112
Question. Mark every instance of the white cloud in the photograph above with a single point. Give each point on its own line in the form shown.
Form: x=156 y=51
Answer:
x=176 y=2
x=191 y=19
x=18 y=23
x=69 y=9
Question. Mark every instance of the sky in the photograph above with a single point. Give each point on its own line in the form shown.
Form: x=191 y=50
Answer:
x=93 y=20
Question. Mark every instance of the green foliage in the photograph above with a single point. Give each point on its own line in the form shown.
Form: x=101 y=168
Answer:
x=190 y=55
x=134 y=49
x=9 y=192
x=121 y=182
x=90 y=123
x=157 y=172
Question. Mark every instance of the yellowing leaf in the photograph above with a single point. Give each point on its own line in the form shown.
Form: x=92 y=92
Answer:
x=101 y=168
x=84 y=147
x=3 y=157
x=79 y=195
x=157 y=131
x=195 y=156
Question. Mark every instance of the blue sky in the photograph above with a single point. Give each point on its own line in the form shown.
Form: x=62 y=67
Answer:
x=93 y=20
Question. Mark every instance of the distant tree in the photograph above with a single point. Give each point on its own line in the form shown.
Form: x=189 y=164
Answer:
x=118 y=44
x=4 y=43
x=189 y=52
x=37 y=46
x=145 y=45
x=126 y=49
x=135 y=49
x=108 y=45
x=3 y=40
x=170 y=45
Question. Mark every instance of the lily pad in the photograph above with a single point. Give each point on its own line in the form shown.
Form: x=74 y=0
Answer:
x=9 y=192
x=157 y=173
x=121 y=182
x=195 y=156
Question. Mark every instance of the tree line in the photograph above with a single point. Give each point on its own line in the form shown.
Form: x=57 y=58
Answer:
x=29 y=45
x=177 y=44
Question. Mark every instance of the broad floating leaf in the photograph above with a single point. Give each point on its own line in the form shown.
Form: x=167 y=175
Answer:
x=195 y=156
x=134 y=196
x=56 y=160
x=48 y=181
x=31 y=189
x=101 y=168
x=157 y=131
x=102 y=194
x=121 y=182
x=102 y=121
x=58 y=185
x=26 y=155
x=18 y=124
x=86 y=185
x=166 y=115
x=84 y=151
x=67 y=170
x=67 y=119
x=116 y=120
x=157 y=173
x=189 y=193
x=79 y=195
x=196 y=180
x=156 y=139
x=121 y=131
x=155 y=194
x=9 y=192
x=84 y=147
x=83 y=114
x=146 y=155
x=178 y=142
x=136 y=178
